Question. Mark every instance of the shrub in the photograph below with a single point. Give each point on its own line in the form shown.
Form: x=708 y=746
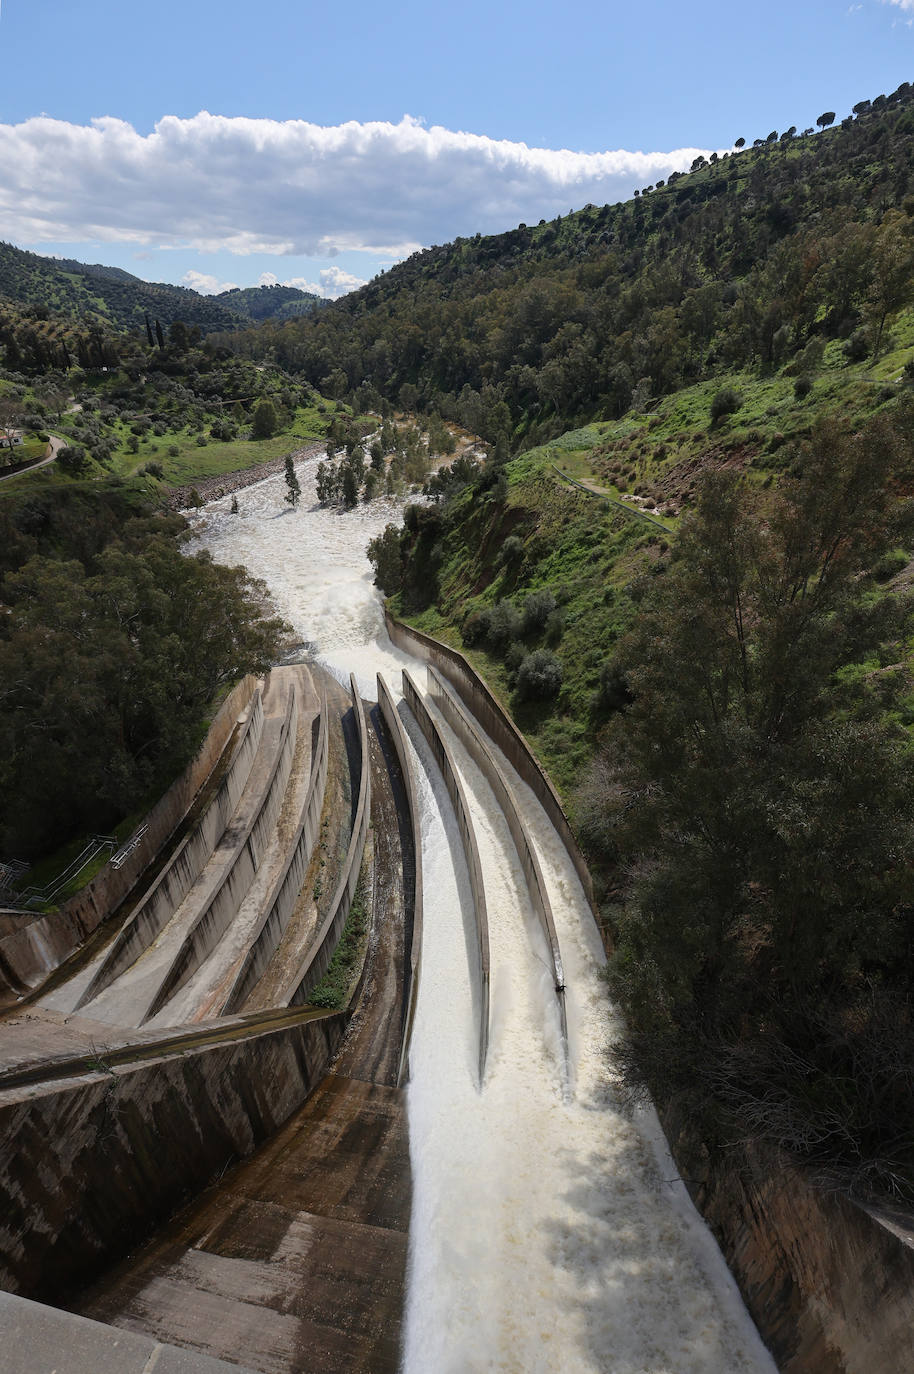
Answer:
x=890 y=564
x=857 y=347
x=511 y=550
x=72 y=460
x=505 y=624
x=539 y=677
x=475 y=628
x=154 y=469
x=727 y=401
x=555 y=628
x=538 y=607
x=174 y=451
x=802 y=387
x=514 y=655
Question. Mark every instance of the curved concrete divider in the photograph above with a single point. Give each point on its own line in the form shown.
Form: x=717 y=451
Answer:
x=93 y=1162
x=391 y=718
x=29 y=955
x=317 y=960
x=463 y=725
x=457 y=795
x=499 y=726
x=222 y=903
x=279 y=905
x=160 y=901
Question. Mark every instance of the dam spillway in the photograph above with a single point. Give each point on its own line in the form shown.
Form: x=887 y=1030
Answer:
x=543 y=1233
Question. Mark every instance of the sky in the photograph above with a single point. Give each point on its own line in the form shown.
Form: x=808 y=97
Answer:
x=212 y=143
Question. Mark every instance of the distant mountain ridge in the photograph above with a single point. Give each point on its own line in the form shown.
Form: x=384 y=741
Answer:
x=111 y=295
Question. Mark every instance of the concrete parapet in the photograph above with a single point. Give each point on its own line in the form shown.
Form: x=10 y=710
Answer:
x=222 y=903
x=499 y=726
x=391 y=718
x=160 y=902
x=317 y=959
x=278 y=907
x=36 y=1338
x=93 y=1163
x=454 y=786
x=29 y=955
x=463 y=725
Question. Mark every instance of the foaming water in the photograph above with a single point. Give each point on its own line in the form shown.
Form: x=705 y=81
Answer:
x=546 y=1234
x=314 y=562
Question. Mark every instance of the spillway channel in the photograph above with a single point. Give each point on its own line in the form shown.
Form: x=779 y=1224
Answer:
x=547 y=1232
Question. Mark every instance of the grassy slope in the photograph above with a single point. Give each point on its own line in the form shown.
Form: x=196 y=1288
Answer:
x=588 y=553
x=192 y=461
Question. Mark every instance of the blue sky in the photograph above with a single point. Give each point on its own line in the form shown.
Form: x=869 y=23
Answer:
x=343 y=136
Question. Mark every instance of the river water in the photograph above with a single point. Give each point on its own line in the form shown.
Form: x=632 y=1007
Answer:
x=548 y=1230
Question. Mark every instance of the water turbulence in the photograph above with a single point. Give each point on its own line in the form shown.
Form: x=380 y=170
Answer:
x=546 y=1233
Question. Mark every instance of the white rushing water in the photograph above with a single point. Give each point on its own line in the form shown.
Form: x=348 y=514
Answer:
x=548 y=1232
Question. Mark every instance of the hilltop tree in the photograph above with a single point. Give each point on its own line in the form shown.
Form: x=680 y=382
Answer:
x=825 y=119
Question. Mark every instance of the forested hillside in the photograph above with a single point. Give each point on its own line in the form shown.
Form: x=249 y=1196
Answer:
x=108 y=296
x=740 y=264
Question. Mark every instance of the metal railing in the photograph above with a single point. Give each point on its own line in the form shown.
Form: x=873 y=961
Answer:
x=40 y=896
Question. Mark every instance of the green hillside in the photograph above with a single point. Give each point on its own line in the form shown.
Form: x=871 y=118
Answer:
x=114 y=298
x=740 y=265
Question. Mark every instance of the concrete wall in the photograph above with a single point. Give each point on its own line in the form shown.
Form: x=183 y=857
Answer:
x=498 y=725
x=463 y=725
x=317 y=959
x=391 y=718
x=28 y=956
x=829 y=1284
x=160 y=901
x=281 y=902
x=452 y=782
x=222 y=903
x=91 y=1165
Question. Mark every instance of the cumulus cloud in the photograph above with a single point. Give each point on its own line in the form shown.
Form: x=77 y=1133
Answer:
x=334 y=282
x=263 y=186
x=206 y=284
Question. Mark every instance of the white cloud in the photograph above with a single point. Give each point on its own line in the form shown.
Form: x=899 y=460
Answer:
x=205 y=283
x=334 y=282
x=902 y=4
x=258 y=185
